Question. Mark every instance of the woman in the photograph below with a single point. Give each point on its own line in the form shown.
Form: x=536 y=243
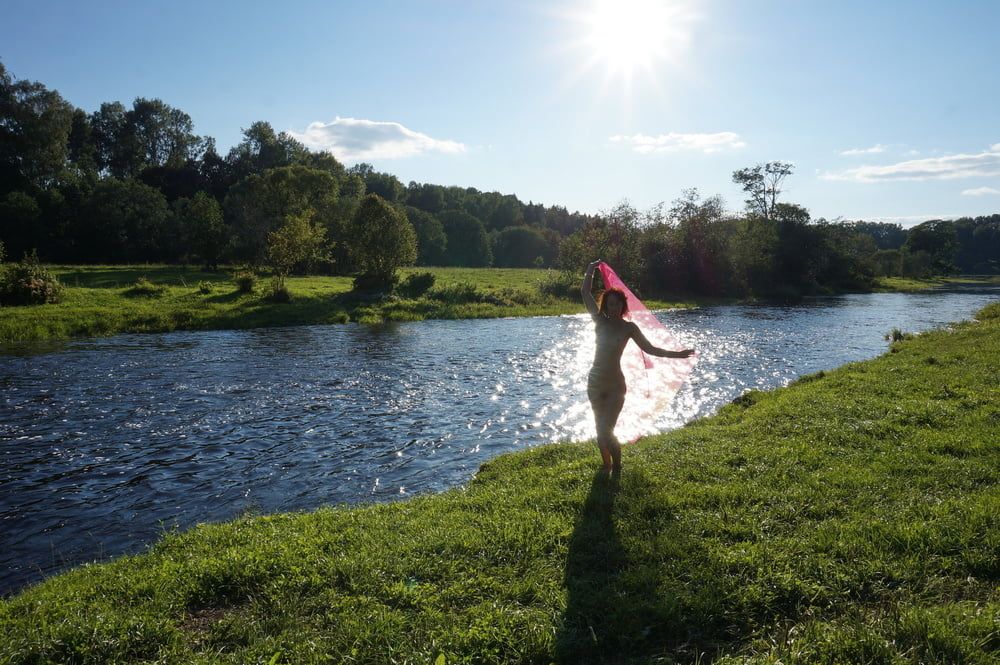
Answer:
x=606 y=383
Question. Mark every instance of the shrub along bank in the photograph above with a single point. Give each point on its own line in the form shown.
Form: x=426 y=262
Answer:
x=852 y=517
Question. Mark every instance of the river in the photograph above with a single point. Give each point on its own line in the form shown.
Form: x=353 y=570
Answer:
x=107 y=443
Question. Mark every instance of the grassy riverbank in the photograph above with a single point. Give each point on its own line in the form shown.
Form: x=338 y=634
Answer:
x=100 y=300
x=852 y=517
x=914 y=285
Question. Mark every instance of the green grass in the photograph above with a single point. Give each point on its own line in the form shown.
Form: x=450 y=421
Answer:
x=852 y=517
x=104 y=300
x=912 y=285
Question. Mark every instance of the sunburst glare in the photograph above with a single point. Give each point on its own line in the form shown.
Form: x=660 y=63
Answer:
x=622 y=40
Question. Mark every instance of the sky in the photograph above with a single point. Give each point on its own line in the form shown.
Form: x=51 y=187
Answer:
x=888 y=110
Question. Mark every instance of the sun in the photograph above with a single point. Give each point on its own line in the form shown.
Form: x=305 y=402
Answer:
x=628 y=38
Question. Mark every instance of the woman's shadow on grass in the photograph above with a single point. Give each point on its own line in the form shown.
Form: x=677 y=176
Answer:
x=624 y=600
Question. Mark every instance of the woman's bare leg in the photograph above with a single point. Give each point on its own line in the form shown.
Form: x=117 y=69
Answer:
x=607 y=406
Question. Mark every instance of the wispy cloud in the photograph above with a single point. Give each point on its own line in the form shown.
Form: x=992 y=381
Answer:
x=948 y=167
x=676 y=142
x=980 y=191
x=875 y=149
x=353 y=140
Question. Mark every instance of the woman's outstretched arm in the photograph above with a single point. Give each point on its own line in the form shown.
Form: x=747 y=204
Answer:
x=587 y=289
x=648 y=347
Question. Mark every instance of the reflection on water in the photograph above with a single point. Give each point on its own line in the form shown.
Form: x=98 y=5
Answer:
x=106 y=443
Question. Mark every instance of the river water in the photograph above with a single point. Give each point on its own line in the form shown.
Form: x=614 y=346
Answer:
x=107 y=443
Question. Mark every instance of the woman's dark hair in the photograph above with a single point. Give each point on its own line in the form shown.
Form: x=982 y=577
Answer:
x=603 y=297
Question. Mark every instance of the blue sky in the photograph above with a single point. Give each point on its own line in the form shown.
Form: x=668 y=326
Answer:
x=888 y=110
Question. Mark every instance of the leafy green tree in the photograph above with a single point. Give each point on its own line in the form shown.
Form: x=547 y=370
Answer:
x=385 y=185
x=939 y=240
x=699 y=263
x=752 y=247
x=468 y=244
x=431 y=239
x=506 y=213
x=19 y=221
x=762 y=184
x=124 y=221
x=35 y=125
x=263 y=149
x=151 y=134
x=203 y=228
x=429 y=198
x=259 y=204
x=519 y=247
x=383 y=240
x=298 y=243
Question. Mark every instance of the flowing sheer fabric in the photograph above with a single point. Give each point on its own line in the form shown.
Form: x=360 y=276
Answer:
x=652 y=382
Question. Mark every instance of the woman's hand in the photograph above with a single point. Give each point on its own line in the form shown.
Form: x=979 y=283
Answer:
x=686 y=353
x=592 y=266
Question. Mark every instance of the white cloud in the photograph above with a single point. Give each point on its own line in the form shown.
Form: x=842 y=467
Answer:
x=675 y=142
x=949 y=167
x=980 y=191
x=354 y=140
x=877 y=148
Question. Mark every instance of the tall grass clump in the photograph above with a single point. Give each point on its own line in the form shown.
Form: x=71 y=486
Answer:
x=28 y=283
x=144 y=287
x=462 y=292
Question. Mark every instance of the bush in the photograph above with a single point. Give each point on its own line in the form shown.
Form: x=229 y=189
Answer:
x=457 y=293
x=144 y=287
x=560 y=285
x=279 y=292
x=376 y=282
x=416 y=285
x=205 y=288
x=28 y=283
x=245 y=281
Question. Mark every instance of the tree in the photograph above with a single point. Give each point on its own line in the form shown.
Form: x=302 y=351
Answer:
x=202 y=227
x=385 y=185
x=19 y=216
x=431 y=239
x=151 y=134
x=939 y=240
x=429 y=198
x=35 y=125
x=262 y=149
x=468 y=244
x=297 y=243
x=383 y=240
x=260 y=203
x=762 y=183
x=519 y=247
x=124 y=221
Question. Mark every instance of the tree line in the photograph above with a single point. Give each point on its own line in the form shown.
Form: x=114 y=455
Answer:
x=137 y=184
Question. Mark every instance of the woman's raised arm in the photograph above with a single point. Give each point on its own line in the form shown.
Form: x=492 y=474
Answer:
x=648 y=347
x=587 y=289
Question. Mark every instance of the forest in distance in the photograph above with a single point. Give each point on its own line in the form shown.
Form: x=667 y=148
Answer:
x=135 y=184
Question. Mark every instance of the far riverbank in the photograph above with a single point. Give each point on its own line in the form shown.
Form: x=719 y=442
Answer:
x=99 y=301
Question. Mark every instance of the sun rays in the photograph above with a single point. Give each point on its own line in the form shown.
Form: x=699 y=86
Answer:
x=627 y=43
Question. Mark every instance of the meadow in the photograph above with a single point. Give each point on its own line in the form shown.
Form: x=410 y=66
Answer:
x=104 y=300
x=851 y=517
